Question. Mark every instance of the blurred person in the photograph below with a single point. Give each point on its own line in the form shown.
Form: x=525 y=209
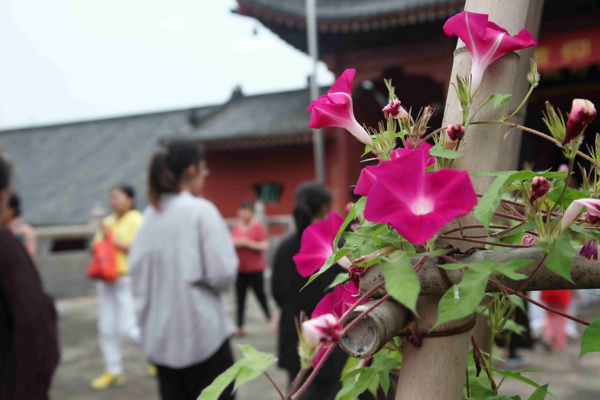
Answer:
x=21 y=229
x=183 y=263
x=555 y=332
x=116 y=314
x=312 y=203
x=251 y=240
x=29 y=349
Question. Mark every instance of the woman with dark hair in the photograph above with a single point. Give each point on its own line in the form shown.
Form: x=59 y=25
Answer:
x=29 y=350
x=183 y=262
x=312 y=203
x=251 y=240
x=21 y=229
x=116 y=314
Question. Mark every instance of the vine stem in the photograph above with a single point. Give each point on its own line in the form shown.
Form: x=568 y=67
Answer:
x=513 y=246
x=527 y=299
x=430 y=135
x=550 y=309
x=297 y=381
x=535 y=132
x=420 y=264
x=524 y=284
x=274 y=385
x=313 y=374
x=508 y=216
x=361 y=300
x=364 y=313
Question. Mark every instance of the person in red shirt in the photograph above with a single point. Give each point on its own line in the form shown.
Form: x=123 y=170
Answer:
x=251 y=241
x=555 y=332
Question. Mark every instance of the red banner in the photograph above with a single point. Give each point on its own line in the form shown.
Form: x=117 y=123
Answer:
x=573 y=49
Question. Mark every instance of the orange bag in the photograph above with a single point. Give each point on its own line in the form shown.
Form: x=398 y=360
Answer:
x=104 y=261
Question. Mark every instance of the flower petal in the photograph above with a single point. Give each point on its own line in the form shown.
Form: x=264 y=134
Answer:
x=337 y=302
x=317 y=244
x=344 y=82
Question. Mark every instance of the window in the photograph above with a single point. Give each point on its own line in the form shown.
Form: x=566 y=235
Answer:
x=268 y=192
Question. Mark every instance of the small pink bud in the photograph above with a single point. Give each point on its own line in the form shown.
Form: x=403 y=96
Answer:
x=589 y=250
x=528 y=240
x=582 y=114
x=539 y=188
x=455 y=132
x=355 y=272
x=395 y=109
x=322 y=329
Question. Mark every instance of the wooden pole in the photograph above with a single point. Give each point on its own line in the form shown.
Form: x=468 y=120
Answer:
x=437 y=369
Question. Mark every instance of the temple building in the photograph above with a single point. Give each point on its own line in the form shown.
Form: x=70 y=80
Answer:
x=260 y=146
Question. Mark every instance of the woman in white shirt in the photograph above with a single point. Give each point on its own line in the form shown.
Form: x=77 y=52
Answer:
x=182 y=264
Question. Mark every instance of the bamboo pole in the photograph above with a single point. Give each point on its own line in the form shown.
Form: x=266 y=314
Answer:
x=585 y=274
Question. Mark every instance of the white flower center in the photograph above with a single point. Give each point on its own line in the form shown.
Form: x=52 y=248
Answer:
x=422 y=206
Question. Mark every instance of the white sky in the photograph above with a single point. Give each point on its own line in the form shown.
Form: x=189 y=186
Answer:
x=65 y=60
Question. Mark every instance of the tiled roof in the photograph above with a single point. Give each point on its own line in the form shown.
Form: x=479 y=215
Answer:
x=258 y=117
x=60 y=171
x=357 y=11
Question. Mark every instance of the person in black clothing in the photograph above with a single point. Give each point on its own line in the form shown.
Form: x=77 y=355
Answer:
x=29 y=350
x=312 y=203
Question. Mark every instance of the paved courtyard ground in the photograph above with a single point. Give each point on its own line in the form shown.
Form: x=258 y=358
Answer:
x=570 y=378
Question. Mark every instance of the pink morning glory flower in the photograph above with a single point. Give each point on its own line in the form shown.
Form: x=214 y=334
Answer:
x=593 y=208
x=337 y=302
x=317 y=245
x=415 y=203
x=367 y=177
x=485 y=41
x=335 y=109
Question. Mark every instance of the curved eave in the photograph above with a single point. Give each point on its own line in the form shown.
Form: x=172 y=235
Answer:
x=356 y=24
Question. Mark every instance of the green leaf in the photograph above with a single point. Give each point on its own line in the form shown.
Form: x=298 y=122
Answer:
x=363 y=382
x=484 y=211
x=401 y=282
x=540 y=393
x=500 y=98
x=561 y=256
x=331 y=260
x=590 y=340
x=517 y=375
x=589 y=233
x=568 y=197
x=462 y=299
x=439 y=151
x=356 y=209
x=253 y=364
x=214 y=390
x=509 y=268
x=502 y=397
x=339 y=278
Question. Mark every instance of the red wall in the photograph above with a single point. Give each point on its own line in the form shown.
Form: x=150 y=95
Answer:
x=233 y=173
